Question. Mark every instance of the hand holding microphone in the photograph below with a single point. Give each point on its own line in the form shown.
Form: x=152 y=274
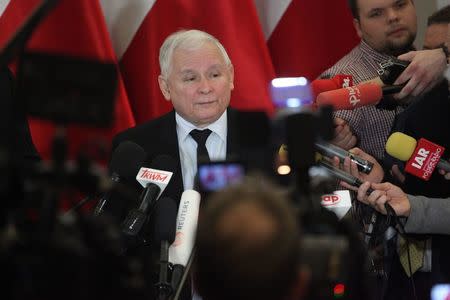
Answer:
x=382 y=194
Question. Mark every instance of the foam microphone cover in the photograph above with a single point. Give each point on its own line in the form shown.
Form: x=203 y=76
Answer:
x=319 y=86
x=165 y=217
x=400 y=146
x=127 y=159
x=351 y=97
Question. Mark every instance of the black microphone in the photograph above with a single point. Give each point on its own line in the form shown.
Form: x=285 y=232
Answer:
x=330 y=150
x=154 y=180
x=126 y=160
x=164 y=235
x=344 y=176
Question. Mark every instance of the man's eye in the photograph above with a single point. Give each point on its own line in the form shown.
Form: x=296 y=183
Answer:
x=375 y=13
x=187 y=79
x=400 y=4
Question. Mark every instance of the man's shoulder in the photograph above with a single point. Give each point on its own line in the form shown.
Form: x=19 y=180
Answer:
x=346 y=64
x=146 y=131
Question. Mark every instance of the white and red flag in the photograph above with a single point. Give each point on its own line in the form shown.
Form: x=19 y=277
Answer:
x=305 y=37
x=234 y=23
x=75 y=28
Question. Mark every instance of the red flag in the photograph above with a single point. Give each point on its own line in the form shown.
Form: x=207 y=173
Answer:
x=76 y=28
x=306 y=37
x=234 y=23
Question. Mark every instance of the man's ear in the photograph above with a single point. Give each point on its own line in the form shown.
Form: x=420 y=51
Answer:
x=357 y=26
x=231 y=77
x=164 y=87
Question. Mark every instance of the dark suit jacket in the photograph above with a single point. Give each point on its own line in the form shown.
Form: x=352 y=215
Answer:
x=247 y=133
x=429 y=118
x=246 y=136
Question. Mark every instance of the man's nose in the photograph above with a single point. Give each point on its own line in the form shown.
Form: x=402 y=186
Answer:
x=392 y=15
x=205 y=86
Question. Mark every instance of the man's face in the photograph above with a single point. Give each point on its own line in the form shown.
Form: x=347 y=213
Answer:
x=388 y=26
x=435 y=36
x=199 y=84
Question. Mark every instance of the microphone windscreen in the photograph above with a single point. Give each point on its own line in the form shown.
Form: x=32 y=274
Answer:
x=319 y=86
x=127 y=159
x=165 y=217
x=400 y=146
x=351 y=97
x=164 y=162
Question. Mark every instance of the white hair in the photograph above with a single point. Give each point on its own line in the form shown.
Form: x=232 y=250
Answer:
x=188 y=40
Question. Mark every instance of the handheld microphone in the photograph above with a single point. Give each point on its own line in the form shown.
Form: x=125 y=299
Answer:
x=421 y=157
x=330 y=150
x=353 y=181
x=181 y=250
x=337 y=82
x=164 y=235
x=344 y=176
x=126 y=160
x=154 y=180
x=356 y=96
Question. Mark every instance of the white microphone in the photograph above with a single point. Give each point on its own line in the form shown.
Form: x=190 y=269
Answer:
x=181 y=250
x=186 y=228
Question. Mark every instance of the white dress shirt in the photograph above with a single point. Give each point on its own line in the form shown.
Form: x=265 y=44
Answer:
x=216 y=144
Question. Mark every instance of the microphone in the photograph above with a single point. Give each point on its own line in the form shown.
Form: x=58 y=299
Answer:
x=421 y=157
x=344 y=176
x=338 y=202
x=186 y=228
x=154 y=180
x=356 y=96
x=337 y=82
x=330 y=150
x=126 y=160
x=164 y=235
x=353 y=181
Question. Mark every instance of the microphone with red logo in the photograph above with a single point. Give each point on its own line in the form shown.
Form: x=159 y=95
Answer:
x=181 y=251
x=336 y=82
x=338 y=202
x=356 y=96
x=422 y=156
x=154 y=180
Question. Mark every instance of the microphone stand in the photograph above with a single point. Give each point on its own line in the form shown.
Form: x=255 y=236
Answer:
x=163 y=287
x=185 y=274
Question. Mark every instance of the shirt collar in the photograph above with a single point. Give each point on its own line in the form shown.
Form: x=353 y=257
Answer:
x=219 y=127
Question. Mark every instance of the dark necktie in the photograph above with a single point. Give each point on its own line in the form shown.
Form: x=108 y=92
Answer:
x=200 y=136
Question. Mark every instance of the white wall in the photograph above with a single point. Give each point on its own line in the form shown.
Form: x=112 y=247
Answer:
x=424 y=9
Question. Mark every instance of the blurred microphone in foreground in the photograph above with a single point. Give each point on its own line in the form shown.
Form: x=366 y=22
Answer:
x=164 y=235
x=126 y=160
